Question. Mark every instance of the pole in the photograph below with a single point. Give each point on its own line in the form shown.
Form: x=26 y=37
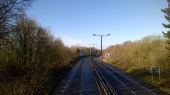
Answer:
x=101 y=36
x=101 y=48
x=92 y=48
x=90 y=52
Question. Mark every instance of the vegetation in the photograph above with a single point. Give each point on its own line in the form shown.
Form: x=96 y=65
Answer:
x=9 y=11
x=167 y=17
x=138 y=57
x=32 y=61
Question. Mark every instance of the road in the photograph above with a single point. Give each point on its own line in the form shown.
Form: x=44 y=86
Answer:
x=79 y=81
x=92 y=77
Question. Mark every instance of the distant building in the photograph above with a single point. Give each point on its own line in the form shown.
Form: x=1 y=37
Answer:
x=81 y=53
x=107 y=55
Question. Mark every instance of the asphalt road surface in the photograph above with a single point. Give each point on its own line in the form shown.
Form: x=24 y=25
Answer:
x=92 y=77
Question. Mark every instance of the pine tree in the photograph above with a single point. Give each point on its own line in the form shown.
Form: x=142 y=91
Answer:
x=167 y=17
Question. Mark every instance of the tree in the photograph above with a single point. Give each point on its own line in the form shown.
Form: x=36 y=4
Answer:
x=9 y=11
x=167 y=17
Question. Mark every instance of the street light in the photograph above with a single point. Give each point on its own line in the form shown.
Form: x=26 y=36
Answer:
x=91 y=49
x=101 y=36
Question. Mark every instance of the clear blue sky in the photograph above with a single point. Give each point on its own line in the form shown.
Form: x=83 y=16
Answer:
x=74 y=21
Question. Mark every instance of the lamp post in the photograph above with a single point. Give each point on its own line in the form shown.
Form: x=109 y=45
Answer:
x=92 y=49
x=101 y=36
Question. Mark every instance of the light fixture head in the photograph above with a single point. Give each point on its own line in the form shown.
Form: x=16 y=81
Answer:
x=108 y=34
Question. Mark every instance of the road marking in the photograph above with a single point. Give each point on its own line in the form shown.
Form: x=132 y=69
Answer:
x=104 y=85
x=72 y=74
x=66 y=85
x=122 y=74
x=121 y=82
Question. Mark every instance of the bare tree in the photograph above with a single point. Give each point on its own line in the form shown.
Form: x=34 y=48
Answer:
x=9 y=11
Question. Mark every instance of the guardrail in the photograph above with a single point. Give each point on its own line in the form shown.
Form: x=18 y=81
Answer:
x=105 y=86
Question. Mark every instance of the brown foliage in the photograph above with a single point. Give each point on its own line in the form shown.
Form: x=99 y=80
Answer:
x=28 y=56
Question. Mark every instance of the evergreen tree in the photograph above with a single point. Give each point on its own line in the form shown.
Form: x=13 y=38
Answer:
x=167 y=17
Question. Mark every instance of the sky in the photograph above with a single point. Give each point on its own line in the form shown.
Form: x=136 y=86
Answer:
x=74 y=21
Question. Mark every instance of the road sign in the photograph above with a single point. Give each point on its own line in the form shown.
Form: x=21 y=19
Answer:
x=155 y=71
